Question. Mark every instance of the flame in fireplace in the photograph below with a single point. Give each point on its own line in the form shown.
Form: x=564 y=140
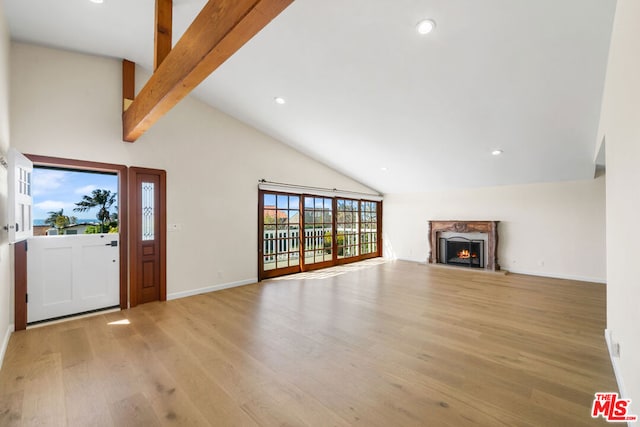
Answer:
x=465 y=254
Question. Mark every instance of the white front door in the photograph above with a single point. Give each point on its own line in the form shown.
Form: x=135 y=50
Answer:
x=72 y=274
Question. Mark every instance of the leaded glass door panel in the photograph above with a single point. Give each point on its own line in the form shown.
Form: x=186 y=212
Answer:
x=148 y=226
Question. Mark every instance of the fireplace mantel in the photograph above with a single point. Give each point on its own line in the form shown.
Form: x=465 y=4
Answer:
x=489 y=227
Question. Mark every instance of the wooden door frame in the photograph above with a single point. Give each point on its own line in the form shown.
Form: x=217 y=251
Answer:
x=20 y=303
x=20 y=283
x=133 y=222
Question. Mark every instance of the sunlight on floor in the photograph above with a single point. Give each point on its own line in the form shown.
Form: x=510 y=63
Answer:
x=333 y=271
x=120 y=322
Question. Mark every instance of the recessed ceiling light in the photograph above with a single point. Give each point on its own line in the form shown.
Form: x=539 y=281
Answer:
x=496 y=152
x=425 y=26
x=279 y=100
x=383 y=169
x=96 y=1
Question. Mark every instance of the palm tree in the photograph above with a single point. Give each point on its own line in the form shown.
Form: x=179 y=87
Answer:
x=103 y=199
x=57 y=219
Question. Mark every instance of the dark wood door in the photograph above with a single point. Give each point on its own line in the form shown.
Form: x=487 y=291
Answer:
x=148 y=235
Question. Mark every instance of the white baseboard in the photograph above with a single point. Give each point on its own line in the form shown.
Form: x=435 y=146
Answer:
x=405 y=259
x=559 y=276
x=536 y=273
x=616 y=366
x=184 y=294
x=5 y=342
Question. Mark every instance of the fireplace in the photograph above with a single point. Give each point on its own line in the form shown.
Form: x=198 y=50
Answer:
x=461 y=251
x=450 y=239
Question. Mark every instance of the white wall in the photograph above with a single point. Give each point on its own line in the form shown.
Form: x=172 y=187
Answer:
x=69 y=105
x=620 y=125
x=6 y=302
x=551 y=229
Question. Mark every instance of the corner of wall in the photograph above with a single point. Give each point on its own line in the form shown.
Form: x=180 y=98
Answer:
x=6 y=301
x=614 y=356
x=619 y=122
x=5 y=342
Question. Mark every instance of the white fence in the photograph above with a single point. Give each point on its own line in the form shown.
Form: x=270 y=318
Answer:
x=287 y=240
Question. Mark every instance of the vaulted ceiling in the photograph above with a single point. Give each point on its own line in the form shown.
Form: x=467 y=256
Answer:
x=369 y=96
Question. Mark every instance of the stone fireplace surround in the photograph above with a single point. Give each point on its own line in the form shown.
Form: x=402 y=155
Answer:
x=489 y=227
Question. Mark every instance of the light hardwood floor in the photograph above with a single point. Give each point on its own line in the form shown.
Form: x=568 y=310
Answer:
x=390 y=344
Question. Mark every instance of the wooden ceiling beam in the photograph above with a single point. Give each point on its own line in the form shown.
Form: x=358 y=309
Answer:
x=164 y=28
x=128 y=83
x=219 y=30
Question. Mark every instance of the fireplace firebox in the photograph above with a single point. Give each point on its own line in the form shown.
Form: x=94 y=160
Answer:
x=462 y=251
x=490 y=250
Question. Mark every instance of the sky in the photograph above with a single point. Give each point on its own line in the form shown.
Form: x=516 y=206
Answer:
x=54 y=189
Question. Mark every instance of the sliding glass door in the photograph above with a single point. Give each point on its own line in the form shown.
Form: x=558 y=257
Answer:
x=368 y=228
x=280 y=224
x=301 y=232
x=318 y=231
x=347 y=222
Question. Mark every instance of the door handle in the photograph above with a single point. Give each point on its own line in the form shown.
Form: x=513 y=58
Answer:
x=113 y=243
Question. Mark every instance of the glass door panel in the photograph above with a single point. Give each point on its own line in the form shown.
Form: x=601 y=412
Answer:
x=318 y=230
x=368 y=228
x=347 y=223
x=280 y=231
